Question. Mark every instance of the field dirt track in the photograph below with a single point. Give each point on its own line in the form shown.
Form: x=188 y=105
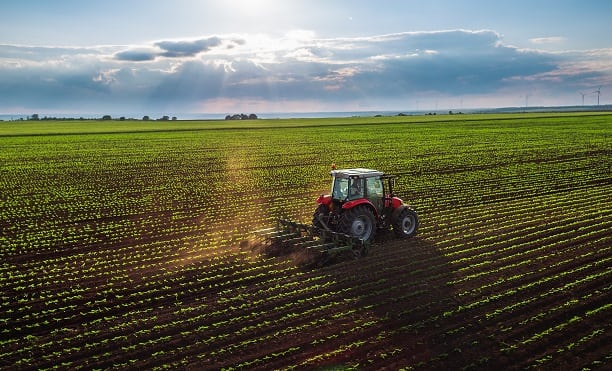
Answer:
x=135 y=251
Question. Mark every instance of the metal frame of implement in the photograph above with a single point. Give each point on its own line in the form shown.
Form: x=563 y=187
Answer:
x=326 y=242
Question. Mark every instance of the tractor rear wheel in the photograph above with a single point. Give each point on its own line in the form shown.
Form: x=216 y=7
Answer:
x=359 y=222
x=406 y=223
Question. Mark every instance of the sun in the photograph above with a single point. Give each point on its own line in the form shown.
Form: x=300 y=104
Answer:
x=251 y=8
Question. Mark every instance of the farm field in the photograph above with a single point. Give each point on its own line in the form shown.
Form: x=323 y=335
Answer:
x=129 y=246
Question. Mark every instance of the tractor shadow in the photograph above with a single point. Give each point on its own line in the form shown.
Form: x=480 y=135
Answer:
x=402 y=290
x=402 y=285
x=402 y=266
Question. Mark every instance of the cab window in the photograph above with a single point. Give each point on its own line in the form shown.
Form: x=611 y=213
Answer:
x=375 y=192
x=340 y=189
x=356 y=189
x=375 y=187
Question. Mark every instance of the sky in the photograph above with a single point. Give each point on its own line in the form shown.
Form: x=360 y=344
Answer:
x=123 y=57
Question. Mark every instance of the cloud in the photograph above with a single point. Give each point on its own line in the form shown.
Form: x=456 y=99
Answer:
x=173 y=49
x=136 y=55
x=42 y=53
x=548 y=40
x=380 y=72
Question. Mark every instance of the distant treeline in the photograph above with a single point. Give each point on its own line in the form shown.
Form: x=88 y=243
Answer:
x=241 y=116
x=36 y=117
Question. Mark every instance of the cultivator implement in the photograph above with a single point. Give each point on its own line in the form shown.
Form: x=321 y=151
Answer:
x=326 y=243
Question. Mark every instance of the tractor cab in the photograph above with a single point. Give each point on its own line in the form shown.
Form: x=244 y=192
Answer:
x=354 y=184
x=359 y=184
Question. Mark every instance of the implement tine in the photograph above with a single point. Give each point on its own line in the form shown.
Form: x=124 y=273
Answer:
x=292 y=225
x=323 y=241
x=265 y=230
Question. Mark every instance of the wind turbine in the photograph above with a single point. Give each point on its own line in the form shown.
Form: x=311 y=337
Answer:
x=598 y=91
x=527 y=99
x=583 y=94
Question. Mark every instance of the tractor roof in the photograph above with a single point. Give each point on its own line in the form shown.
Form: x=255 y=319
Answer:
x=356 y=173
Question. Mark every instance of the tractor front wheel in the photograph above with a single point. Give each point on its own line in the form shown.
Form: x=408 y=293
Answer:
x=406 y=223
x=359 y=222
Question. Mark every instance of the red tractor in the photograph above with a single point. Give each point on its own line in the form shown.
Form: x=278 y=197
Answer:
x=360 y=203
